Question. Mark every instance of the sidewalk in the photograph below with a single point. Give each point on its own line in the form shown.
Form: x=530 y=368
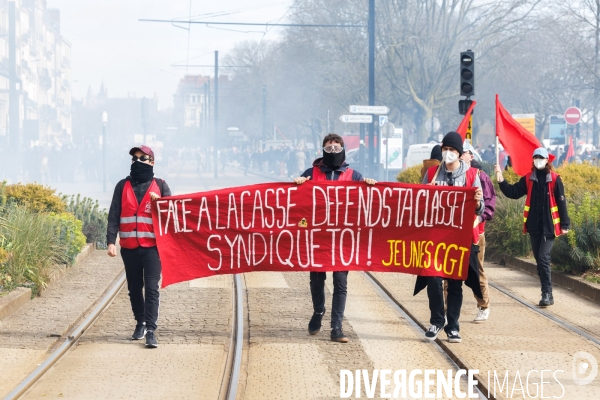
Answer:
x=31 y=331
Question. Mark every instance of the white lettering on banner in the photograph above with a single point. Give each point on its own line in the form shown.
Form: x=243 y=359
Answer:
x=336 y=210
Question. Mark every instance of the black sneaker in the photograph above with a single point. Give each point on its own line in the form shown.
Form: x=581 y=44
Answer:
x=454 y=337
x=547 y=299
x=140 y=332
x=337 y=335
x=432 y=333
x=151 y=340
x=314 y=326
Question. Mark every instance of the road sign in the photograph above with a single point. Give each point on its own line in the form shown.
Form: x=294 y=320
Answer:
x=557 y=129
x=357 y=119
x=527 y=121
x=573 y=115
x=369 y=109
x=383 y=119
x=469 y=134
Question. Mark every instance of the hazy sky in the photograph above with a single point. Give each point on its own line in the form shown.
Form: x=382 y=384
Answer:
x=110 y=44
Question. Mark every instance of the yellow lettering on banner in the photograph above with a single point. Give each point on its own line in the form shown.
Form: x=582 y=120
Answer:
x=427 y=263
x=462 y=257
x=396 y=251
x=435 y=264
x=387 y=264
x=422 y=256
x=452 y=260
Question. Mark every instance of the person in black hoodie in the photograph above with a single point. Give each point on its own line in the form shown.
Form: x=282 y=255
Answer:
x=130 y=216
x=545 y=214
x=331 y=167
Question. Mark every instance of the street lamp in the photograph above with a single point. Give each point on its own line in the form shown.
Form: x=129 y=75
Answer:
x=104 y=121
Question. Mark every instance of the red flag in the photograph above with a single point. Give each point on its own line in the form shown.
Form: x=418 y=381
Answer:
x=464 y=125
x=518 y=141
x=571 y=152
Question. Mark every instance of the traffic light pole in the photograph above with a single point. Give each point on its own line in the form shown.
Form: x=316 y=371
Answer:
x=373 y=166
x=216 y=115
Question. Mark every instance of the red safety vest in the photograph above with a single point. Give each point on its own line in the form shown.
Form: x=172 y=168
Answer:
x=319 y=175
x=553 y=206
x=471 y=174
x=135 y=227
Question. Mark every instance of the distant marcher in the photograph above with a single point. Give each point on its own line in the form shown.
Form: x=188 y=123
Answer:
x=434 y=160
x=130 y=216
x=565 y=156
x=331 y=167
x=489 y=200
x=545 y=215
x=587 y=155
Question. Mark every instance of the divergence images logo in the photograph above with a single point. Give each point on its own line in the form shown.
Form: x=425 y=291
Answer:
x=585 y=368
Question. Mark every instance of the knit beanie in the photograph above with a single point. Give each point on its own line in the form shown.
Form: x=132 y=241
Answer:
x=436 y=153
x=454 y=140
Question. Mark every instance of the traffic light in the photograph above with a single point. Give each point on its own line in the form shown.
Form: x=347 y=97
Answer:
x=463 y=106
x=467 y=73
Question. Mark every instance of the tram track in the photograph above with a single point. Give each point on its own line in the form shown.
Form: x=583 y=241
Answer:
x=438 y=345
x=71 y=338
x=552 y=317
x=231 y=372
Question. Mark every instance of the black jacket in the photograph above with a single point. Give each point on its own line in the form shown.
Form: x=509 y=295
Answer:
x=114 y=213
x=331 y=174
x=539 y=221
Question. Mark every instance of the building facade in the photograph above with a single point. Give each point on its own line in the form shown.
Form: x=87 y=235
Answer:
x=34 y=75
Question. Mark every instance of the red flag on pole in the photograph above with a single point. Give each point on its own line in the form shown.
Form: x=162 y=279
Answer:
x=571 y=151
x=464 y=125
x=518 y=141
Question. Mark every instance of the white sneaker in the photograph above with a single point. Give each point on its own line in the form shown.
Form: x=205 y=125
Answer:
x=432 y=333
x=482 y=315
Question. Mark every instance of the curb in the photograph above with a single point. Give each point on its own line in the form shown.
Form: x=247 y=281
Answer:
x=579 y=286
x=21 y=296
x=13 y=300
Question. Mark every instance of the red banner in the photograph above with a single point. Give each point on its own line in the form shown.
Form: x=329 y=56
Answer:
x=316 y=226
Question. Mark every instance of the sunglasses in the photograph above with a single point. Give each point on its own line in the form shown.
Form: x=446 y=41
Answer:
x=142 y=158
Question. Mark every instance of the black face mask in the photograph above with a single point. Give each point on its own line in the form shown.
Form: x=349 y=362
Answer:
x=141 y=172
x=334 y=160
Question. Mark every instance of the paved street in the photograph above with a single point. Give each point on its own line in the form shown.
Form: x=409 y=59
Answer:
x=280 y=359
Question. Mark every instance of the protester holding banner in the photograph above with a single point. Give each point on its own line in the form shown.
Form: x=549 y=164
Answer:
x=332 y=167
x=545 y=214
x=489 y=199
x=452 y=172
x=130 y=216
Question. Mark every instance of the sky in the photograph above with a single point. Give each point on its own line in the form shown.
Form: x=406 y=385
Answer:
x=109 y=44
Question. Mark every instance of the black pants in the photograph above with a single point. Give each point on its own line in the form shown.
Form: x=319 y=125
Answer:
x=340 y=288
x=435 y=292
x=142 y=268
x=541 y=247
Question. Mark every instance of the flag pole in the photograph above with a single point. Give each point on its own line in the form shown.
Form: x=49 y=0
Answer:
x=497 y=152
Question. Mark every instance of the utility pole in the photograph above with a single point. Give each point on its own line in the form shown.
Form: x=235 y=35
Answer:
x=372 y=171
x=216 y=115
x=144 y=117
x=104 y=140
x=14 y=115
x=264 y=117
x=361 y=149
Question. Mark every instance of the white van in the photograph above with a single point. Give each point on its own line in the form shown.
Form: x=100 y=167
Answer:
x=417 y=153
